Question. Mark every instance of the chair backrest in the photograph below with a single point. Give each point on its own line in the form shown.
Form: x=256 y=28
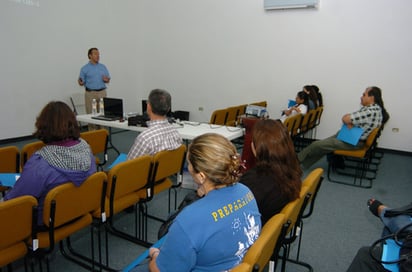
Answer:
x=124 y=180
x=318 y=117
x=97 y=139
x=260 y=103
x=293 y=212
x=232 y=114
x=218 y=117
x=293 y=124
x=262 y=250
x=166 y=163
x=29 y=150
x=68 y=201
x=371 y=137
x=313 y=117
x=9 y=159
x=242 y=109
x=313 y=181
x=304 y=125
x=242 y=267
x=15 y=228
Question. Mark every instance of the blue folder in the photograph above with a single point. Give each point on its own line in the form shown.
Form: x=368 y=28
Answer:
x=8 y=179
x=291 y=103
x=121 y=158
x=143 y=256
x=390 y=253
x=350 y=136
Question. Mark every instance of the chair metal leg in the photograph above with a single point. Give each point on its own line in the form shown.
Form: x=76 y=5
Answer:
x=137 y=239
x=84 y=261
x=359 y=174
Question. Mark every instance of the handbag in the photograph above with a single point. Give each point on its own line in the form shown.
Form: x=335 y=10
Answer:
x=189 y=199
x=403 y=239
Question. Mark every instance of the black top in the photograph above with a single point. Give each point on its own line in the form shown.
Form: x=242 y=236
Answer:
x=264 y=187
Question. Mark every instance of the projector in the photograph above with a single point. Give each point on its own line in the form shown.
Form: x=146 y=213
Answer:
x=254 y=110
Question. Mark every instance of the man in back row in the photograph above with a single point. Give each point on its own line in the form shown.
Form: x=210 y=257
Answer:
x=160 y=135
x=371 y=115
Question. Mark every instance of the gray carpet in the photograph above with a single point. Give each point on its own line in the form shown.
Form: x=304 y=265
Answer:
x=340 y=224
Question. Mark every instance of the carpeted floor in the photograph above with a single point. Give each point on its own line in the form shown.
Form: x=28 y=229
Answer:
x=340 y=224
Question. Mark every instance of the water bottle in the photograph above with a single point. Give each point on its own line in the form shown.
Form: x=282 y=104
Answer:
x=94 y=106
x=101 y=106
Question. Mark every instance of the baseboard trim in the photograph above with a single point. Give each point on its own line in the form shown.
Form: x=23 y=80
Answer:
x=16 y=139
x=393 y=151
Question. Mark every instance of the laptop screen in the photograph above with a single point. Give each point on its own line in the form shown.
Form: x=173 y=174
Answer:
x=113 y=107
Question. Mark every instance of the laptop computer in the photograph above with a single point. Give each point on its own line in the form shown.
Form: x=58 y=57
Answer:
x=113 y=109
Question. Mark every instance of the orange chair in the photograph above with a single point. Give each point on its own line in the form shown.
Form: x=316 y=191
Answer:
x=16 y=212
x=9 y=162
x=260 y=103
x=268 y=244
x=293 y=212
x=29 y=150
x=68 y=209
x=357 y=163
x=218 y=117
x=98 y=140
x=166 y=163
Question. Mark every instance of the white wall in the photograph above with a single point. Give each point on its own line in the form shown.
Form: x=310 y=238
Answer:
x=43 y=48
x=210 y=54
x=222 y=53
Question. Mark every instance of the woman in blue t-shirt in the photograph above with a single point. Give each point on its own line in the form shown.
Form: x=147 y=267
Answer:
x=215 y=232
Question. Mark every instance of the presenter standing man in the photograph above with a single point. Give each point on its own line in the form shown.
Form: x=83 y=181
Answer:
x=94 y=76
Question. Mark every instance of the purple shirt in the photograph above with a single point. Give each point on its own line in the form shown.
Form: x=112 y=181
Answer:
x=39 y=177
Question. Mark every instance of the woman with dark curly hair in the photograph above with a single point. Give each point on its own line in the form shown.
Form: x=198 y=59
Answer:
x=64 y=158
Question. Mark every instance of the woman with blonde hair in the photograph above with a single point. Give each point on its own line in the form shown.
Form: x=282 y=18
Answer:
x=215 y=232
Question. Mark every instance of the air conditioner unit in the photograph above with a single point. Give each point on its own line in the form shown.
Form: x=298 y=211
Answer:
x=290 y=4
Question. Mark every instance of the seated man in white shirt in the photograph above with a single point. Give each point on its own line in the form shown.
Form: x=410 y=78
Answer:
x=160 y=135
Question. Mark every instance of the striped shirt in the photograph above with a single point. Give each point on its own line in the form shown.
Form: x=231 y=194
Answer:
x=367 y=118
x=159 y=136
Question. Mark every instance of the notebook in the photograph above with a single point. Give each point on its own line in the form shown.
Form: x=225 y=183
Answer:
x=291 y=103
x=113 y=109
x=121 y=158
x=350 y=136
x=8 y=179
x=143 y=256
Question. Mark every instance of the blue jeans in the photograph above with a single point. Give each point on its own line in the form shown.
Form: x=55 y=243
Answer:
x=393 y=224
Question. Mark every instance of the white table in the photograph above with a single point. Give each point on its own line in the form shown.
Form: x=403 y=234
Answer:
x=187 y=130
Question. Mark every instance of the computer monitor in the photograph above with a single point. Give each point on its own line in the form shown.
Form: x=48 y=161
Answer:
x=113 y=107
x=144 y=106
